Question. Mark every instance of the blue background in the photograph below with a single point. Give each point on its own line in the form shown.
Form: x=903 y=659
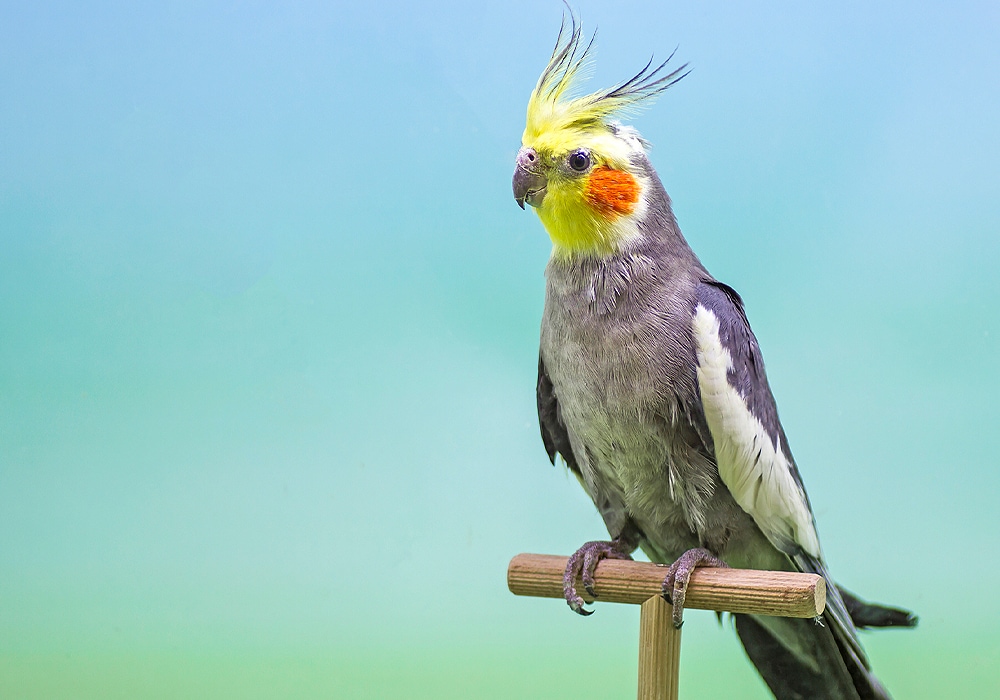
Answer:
x=268 y=335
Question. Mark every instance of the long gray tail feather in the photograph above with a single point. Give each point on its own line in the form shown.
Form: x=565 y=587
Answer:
x=865 y=615
x=805 y=659
x=802 y=659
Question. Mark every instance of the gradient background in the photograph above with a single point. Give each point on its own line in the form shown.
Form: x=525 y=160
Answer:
x=268 y=331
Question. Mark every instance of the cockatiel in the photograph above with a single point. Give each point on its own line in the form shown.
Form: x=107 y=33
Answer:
x=652 y=388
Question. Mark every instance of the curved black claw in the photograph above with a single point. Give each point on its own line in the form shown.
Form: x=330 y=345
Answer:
x=583 y=564
x=674 y=589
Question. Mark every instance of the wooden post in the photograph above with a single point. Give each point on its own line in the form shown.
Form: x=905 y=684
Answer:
x=778 y=593
x=659 y=651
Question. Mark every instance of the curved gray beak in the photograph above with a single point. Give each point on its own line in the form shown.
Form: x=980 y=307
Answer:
x=529 y=183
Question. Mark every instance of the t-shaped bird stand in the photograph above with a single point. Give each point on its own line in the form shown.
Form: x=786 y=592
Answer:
x=778 y=593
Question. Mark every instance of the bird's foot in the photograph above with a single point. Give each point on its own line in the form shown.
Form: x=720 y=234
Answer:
x=584 y=563
x=679 y=574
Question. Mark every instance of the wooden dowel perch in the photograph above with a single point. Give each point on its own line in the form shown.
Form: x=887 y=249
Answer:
x=778 y=593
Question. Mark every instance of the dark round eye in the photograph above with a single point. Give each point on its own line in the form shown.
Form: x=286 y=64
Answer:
x=579 y=161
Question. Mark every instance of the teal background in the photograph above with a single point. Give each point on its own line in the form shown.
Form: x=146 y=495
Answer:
x=268 y=335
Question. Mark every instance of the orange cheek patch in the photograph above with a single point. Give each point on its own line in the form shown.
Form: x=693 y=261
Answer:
x=612 y=192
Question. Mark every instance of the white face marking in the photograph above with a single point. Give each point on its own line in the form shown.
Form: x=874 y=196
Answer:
x=763 y=486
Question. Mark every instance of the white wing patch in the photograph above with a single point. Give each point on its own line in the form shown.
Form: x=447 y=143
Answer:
x=754 y=469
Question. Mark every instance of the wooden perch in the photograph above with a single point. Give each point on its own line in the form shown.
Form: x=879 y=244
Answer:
x=779 y=593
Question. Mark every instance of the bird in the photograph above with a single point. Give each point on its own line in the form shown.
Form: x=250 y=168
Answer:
x=651 y=386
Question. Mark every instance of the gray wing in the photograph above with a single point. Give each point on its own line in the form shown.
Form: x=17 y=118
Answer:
x=555 y=437
x=750 y=447
x=752 y=452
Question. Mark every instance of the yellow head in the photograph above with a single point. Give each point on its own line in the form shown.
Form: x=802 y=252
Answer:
x=576 y=166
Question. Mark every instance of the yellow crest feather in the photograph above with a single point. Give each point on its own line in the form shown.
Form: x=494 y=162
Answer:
x=549 y=113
